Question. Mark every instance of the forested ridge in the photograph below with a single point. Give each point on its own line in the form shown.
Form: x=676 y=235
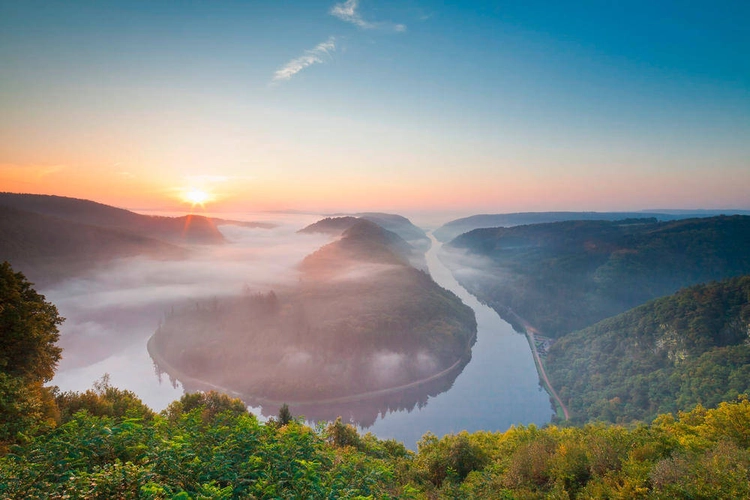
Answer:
x=632 y=364
x=671 y=353
x=565 y=276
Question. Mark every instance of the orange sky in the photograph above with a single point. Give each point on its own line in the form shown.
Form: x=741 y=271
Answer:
x=482 y=193
x=272 y=106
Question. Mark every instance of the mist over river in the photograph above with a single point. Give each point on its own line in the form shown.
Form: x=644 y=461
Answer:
x=112 y=314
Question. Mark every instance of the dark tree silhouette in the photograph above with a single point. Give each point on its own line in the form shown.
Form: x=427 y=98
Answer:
x=285 y=416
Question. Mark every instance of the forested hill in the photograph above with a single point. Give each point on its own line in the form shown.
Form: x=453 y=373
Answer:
x=568 y=275
x=669 y=354
x=185 y=229
x=362 y=241
x=359 y=321
x=366 y=240
x=401 y=226
x=391 y=222
x=330 y=225
x=48 y=249
x=451 y=229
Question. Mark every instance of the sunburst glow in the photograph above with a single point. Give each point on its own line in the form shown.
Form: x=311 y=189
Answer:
x=196 y=197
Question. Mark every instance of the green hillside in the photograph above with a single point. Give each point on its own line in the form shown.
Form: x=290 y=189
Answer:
x=565 y=276
x=675 y=352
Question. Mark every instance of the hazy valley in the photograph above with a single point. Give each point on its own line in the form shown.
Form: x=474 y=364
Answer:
x=341 y=316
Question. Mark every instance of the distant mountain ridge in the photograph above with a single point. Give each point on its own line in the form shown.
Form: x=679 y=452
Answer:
x=398 y=224
x=452 y=229
x=347 y=226
x=334 y=226
x=47 y=249
x=362 y=241
x=185 y=229
x=53 y=237
x=401 y=226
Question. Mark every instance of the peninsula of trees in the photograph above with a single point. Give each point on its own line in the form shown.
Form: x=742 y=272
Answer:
x=360 y=320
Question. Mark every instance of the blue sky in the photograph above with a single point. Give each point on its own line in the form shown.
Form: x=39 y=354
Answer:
x=472 y=106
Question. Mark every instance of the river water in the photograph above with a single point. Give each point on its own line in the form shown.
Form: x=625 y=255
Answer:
x=111 y=317
x=498 y=388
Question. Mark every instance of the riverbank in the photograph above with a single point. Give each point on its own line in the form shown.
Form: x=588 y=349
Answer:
x=531 y=332
x=188 y=380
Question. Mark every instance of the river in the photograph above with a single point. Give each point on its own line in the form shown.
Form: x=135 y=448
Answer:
x=498 y=388
x=110 y=319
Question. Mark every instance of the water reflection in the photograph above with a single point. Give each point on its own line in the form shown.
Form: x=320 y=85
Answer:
x=362 y=411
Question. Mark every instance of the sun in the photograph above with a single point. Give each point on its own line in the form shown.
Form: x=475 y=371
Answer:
x=196 y=197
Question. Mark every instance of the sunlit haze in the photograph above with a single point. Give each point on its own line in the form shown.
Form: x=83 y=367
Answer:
x=407 y=107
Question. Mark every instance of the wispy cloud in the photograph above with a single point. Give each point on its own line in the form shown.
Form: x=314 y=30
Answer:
x=347 y=11
x=317 y=55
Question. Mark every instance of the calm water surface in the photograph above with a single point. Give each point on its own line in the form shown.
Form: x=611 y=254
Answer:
x=498 y=388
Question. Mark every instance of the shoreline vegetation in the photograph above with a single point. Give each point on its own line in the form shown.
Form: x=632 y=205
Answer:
x=560 y=409
x=105 y=443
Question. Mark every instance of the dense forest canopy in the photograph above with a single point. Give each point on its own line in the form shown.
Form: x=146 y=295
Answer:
x=565 y=276
x=674 y=352
x=209 y=446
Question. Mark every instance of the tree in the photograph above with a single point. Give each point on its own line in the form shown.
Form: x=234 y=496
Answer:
x=28 y=329
x=285 y=416
x=28 y=355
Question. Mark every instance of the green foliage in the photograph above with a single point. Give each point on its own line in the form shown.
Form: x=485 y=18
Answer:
x=452 y=457
x=210 y=404
x=28 y=356
x=671 y=353
x=566 y=276
x=29 y=325
x=103 y=400
x=703 y=453
x=340 y=434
